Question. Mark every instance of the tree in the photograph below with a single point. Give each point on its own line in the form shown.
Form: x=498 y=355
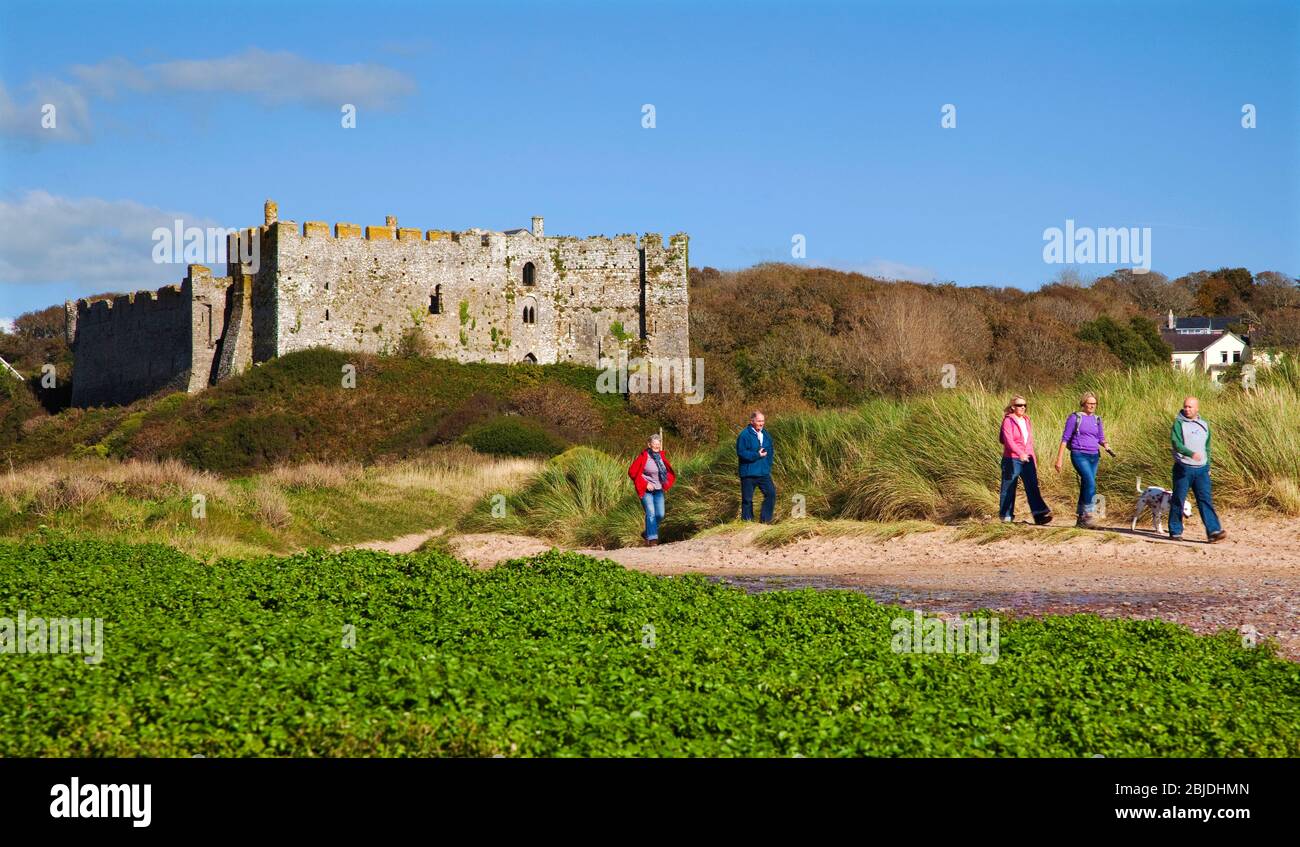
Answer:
x=38 y=339
x=1151 y=292
x=1275 y=291
x=45 y=324
x=1242 y=283
x=1135 y=345
x=1217 y=296
x=1149 y=335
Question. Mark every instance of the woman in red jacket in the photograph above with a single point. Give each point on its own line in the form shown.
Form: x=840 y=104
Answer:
x=1018 y=462
x=652 y=476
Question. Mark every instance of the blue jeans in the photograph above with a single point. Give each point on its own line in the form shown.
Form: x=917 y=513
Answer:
x=1197 y=479
x=1012 y=470
x=653 y=502
x=747 y=486
x=1086 y=465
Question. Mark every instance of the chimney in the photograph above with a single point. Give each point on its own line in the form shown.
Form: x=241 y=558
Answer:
x=537 y=226
x=391 y=221
x=272 y=212
x=1173 y=324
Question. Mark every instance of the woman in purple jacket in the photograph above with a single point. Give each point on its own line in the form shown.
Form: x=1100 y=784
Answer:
x=1084 y=436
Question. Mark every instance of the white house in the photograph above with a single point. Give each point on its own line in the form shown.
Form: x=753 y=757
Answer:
x=1205 y=344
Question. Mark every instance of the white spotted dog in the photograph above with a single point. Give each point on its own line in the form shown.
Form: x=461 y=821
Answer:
x=1158 y=500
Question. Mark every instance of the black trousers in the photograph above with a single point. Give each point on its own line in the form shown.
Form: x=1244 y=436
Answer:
x=747 y=486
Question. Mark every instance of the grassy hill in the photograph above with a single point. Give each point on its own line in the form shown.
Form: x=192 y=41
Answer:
x=288 y=460
x=295 y=409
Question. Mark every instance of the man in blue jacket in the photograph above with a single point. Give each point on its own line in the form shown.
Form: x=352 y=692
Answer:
x=754 y=449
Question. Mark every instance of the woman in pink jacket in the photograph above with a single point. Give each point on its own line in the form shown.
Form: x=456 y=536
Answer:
x=1018 y=462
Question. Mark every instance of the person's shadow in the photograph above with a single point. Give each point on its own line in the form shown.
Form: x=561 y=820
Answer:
x=1147 y=535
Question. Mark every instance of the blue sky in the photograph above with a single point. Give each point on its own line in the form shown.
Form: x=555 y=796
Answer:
x=771 y=120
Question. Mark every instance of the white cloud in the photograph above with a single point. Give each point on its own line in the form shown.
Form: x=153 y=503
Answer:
x=886 y=269
x=92 y=244
x=271 y=77
x=7 y=325
x=23 y=119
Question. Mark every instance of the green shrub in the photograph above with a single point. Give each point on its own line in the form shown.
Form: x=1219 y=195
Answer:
x=18 y=403
x=250 y=443
x=114 y=443
x=1135 y=345
x=512 y=435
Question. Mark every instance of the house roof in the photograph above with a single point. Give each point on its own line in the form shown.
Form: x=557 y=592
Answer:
x=1194 y=342
x=1204 y=323
x=1186 y=342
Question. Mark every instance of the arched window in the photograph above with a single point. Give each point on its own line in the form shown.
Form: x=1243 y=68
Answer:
x=435 y=301
x=530 y=359
x=530 y=273
x=530 y=314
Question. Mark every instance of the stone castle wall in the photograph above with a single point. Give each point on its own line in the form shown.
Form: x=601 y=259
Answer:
x=137 y=344
x=472 y=296
x=475 y=296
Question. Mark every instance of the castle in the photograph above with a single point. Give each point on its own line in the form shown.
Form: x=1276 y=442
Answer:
x=472 y=296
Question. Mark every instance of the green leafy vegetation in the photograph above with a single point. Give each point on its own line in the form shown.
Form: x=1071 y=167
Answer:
x=1135 y=345
x=564 y=655
x=510 y=435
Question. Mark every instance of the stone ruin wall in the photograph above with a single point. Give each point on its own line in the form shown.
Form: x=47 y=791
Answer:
x=134 y=345
x=351 y=288
x=466 y=293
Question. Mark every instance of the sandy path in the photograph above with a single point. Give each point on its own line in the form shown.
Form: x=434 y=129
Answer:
x=404 y=544
x=1250 y=580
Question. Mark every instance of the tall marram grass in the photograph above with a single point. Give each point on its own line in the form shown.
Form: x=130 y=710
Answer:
x=936 y=458
x=584 y=498
x=289 y=507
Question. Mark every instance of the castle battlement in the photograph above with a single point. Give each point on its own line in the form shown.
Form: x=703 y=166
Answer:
x=121 y=302
x=368 y=232
x=468 y=295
